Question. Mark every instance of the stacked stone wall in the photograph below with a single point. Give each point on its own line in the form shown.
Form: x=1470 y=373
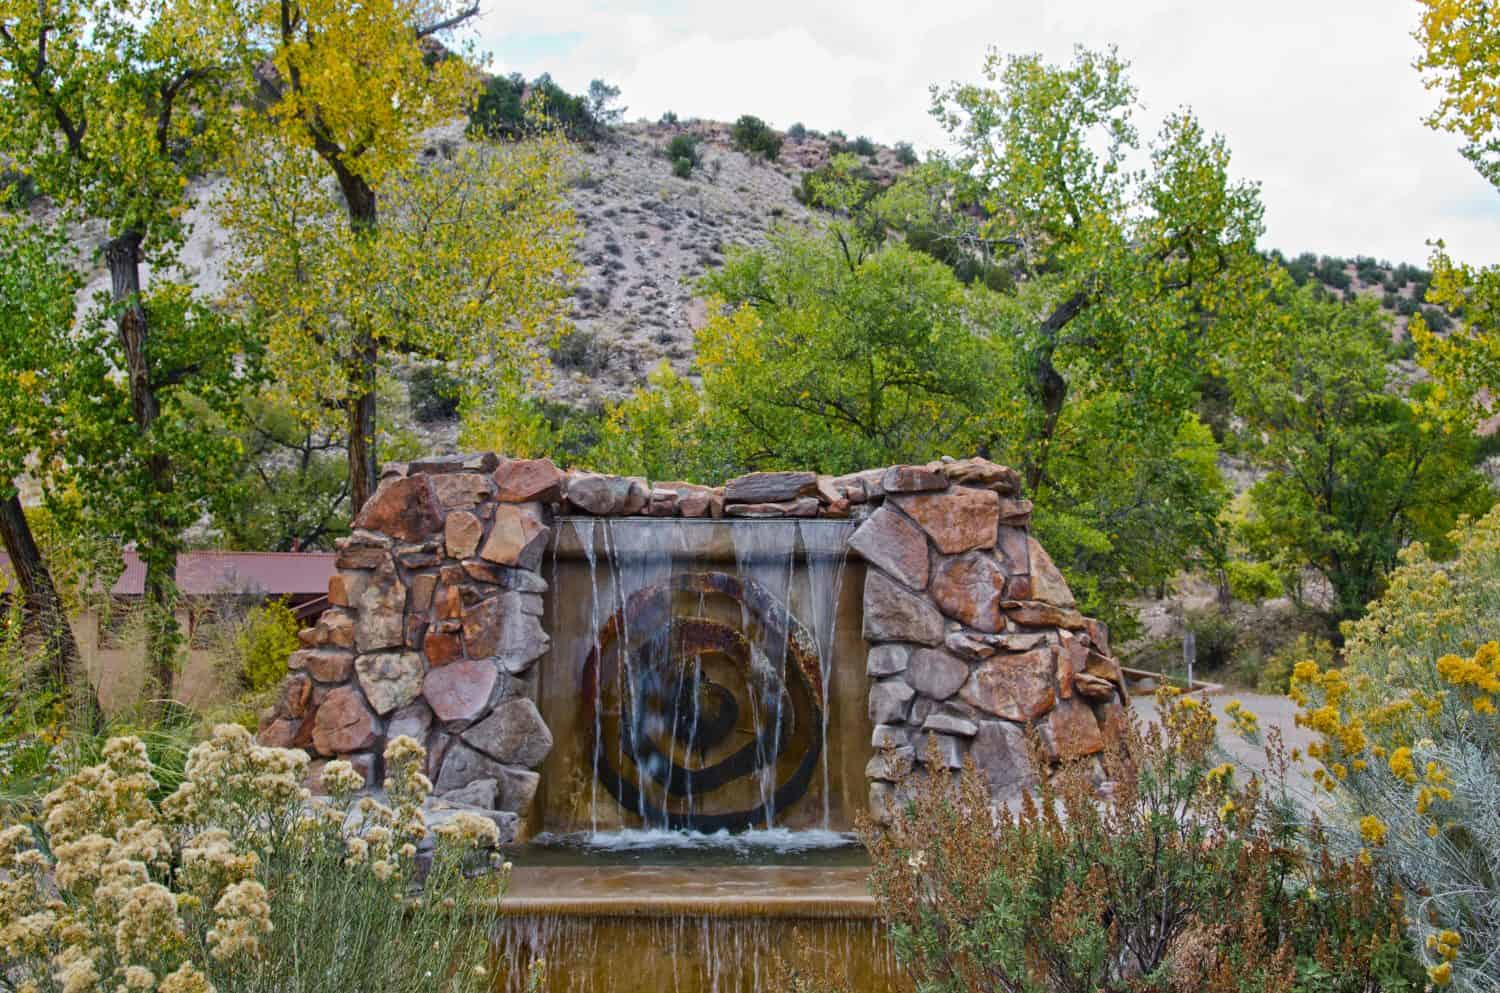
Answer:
x=434 y=627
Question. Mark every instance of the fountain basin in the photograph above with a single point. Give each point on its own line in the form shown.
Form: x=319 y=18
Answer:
x=656 y=928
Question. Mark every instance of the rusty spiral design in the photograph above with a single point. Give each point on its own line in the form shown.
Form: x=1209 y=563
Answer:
x=657 y=674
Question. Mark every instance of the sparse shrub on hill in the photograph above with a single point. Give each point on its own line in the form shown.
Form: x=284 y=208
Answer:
x=668 y=118
x=683 y=151
x=1252 y=582
x=863 y=146
x=797 y=132
x=905 y=153
x=501 y=110
x=754 y=136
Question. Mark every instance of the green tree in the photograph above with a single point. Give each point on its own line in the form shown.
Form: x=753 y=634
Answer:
x=111 y=108
x=1132 y=273
x=38 y=289
x=1354 y=471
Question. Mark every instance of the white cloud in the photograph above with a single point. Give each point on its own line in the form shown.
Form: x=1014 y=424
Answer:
x=1317 y=98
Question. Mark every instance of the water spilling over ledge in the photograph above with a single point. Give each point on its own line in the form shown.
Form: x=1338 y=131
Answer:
x=688 y=696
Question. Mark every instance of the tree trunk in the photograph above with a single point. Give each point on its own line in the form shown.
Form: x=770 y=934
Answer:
x=123 y=257
x=359 y=199
x=1050 y=388
x=43 y=613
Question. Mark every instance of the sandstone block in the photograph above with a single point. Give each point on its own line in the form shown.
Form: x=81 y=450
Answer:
x=892 y=542
x=390 y=679
x=508 y=627
x=413 y=720
x=1015 y=687
x=406 y=509
x=770 y=487
x=461 y=534
x=983 y=473
x=800 y=507
x=936 y=674
x=460 y=691
x=1015 y=513
x=462 y=489
x=944 y=749
x=970 y=588
x=958 y=520
x=442 y=645
x=1071 y=732
x=912 y=479
x=889 y=736
x=1001 y=753
x=526 y=480
x=518 y=536
x=890 y=699
x=344 y=724
x=1034 y=614
x=1047 y=583
x=892 y=764
x=894 y=614
x=379 y=623
x=326 y=665
x=514 y=734
x=887 y=660
x=946 y=723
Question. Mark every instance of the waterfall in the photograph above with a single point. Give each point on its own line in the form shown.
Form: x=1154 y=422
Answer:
x=825 y=548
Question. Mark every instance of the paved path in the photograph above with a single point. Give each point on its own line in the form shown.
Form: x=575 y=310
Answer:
x=1273 y=712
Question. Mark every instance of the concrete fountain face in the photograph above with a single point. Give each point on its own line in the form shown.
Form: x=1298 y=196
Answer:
x=585 y=655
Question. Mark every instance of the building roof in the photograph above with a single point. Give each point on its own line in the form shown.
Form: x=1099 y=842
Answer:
x=218 y=573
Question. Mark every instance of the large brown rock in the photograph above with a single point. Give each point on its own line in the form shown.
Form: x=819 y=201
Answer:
x=525 y=480
x=1015 y=513
x=413 y=720
x=518 y=536
x=460 y=691
x=912 y=479
x=770 y=487
x=390 y=679
x=343 y=723
x=607 y=496
x=894 y=614
x=1015 y=687
x=958 y=520
x=1033 y=614
x=514 y=734
x=893 y=543
x=1047 y=584
x=936 y=674
x=326 y=665
x=379 y=623
x=406 y=509
x=1071 y=732
x=461 y=534
x=970 y=588
x=507 y=627
x=1011 y=544
x=462 y=489
x=442 y=644
x=984 y=473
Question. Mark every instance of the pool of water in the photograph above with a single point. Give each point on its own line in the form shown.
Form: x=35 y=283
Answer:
x=772 y=847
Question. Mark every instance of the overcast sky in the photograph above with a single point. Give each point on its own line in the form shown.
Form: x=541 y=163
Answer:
x=1317 y=98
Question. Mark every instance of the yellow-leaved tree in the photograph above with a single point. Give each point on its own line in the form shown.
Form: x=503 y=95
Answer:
x=1460 y=61
x=361 y=232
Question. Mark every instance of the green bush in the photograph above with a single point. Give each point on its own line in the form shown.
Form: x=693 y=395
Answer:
x=754 y=136
x=1252 y=582
x=1215 y=637
x=863 y=146
x=683 y=151
x=263 y=642
x=797 y=131
x=905 y=153
x=501 y=110
x=1276 y=672
x=434 y=393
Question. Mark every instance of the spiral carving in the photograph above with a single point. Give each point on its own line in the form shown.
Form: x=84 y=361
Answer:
x=689 y=714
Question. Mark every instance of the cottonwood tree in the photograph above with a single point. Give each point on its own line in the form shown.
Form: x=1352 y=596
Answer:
x=1460 y=42
x=1354 y=470
x=354 y=248
x=38 y=289
x=1129 y=272
x=111 y=108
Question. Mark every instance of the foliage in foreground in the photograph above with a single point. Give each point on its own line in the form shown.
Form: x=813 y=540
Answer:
x=1410 y=747
x=234 y=882
x=1177 y=880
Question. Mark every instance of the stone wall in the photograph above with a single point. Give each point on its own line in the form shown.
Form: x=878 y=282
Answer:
x=435 y=627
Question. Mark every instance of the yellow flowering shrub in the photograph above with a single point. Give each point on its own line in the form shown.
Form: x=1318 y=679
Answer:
x=240 y=881
x=1409 y=747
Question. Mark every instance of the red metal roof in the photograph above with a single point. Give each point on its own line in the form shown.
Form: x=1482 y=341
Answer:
x=209 y=573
